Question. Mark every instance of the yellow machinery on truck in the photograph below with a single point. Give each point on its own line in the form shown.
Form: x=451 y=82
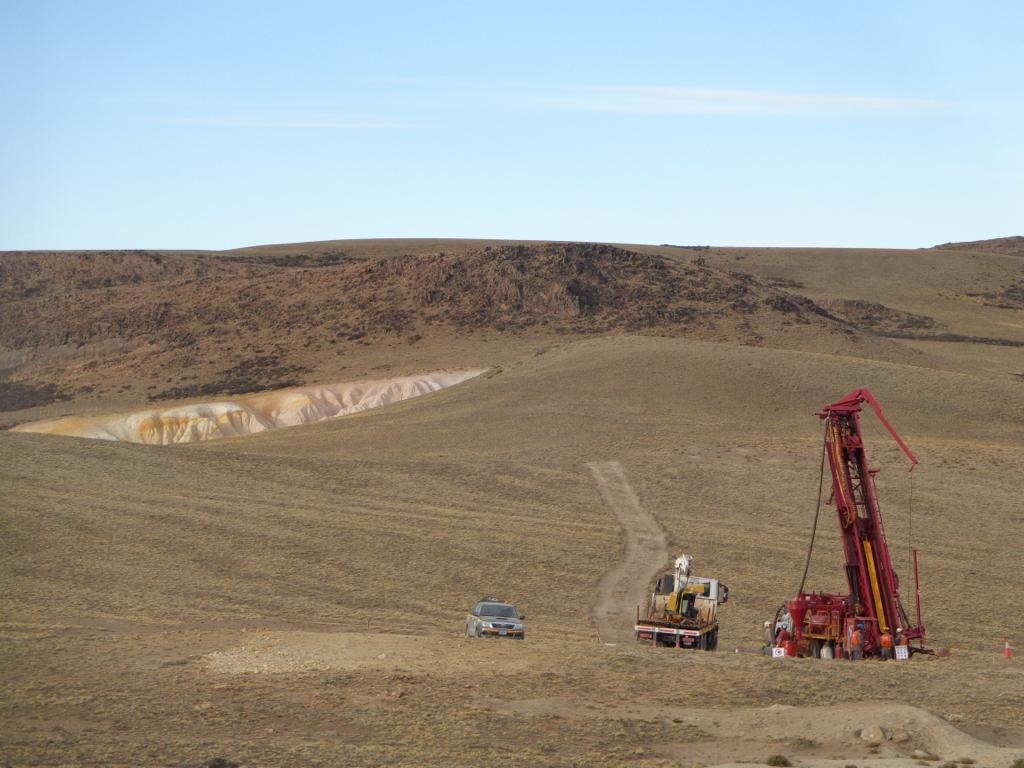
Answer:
x=683 y=610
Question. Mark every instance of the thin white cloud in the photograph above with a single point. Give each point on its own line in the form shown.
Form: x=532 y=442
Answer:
x=285 y=123
x=683 y=100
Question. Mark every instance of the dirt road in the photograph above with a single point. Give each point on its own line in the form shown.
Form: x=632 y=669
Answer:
x=625 y=586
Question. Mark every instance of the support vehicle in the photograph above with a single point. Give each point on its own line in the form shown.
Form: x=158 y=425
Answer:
x=492 y=617
x=683 y=610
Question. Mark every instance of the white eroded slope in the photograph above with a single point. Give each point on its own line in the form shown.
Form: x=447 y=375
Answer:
x=247 y=414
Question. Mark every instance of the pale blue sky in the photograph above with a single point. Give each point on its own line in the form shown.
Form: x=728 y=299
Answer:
x=223 y=124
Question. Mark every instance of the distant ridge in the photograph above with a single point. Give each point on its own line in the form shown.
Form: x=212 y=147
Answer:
x=111 y=330
x=182 y=325
x=1008 y=246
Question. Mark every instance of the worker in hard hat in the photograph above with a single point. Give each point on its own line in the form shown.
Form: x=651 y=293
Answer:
x=885 y=645
x=857 y=642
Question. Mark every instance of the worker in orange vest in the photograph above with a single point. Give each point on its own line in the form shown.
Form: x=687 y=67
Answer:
x=886 y=646
x=857 y=643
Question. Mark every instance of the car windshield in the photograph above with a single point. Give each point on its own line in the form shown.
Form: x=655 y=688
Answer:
x=499 y=610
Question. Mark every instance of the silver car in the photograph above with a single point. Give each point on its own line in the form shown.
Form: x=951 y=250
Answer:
x=493 y=618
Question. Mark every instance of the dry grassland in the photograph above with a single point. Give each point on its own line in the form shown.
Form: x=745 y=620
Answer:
x=296 y=597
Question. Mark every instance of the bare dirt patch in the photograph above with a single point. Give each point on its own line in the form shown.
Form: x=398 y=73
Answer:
x=251 y=414
x=878 y=734
x=296 y=652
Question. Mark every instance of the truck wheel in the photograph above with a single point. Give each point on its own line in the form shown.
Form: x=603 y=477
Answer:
x=712 y=642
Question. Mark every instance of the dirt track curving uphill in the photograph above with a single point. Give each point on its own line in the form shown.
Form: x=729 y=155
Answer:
x=625 y=586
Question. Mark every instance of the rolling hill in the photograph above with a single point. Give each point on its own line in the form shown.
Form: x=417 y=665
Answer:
x=297 y=596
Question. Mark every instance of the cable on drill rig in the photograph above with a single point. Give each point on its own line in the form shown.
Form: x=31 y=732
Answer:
x=910 y=525
x=817 y=511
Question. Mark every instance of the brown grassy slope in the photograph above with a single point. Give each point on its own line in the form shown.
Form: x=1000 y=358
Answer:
x=723 y=442
x=181 y=538
x=96 y=319
x=935 y=284
x=720 y=441
x=1010 y=246
x=127 y=565
x=107 y=329
x=949 y=309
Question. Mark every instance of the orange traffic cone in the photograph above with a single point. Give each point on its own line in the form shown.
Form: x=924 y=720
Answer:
x=1007 y=650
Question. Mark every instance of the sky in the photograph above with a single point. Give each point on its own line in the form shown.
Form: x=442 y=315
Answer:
x=225 y=124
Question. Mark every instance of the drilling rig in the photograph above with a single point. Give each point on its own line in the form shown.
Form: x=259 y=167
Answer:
x=822 y=624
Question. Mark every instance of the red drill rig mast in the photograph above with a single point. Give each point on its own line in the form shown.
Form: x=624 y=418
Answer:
x=822 y=622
